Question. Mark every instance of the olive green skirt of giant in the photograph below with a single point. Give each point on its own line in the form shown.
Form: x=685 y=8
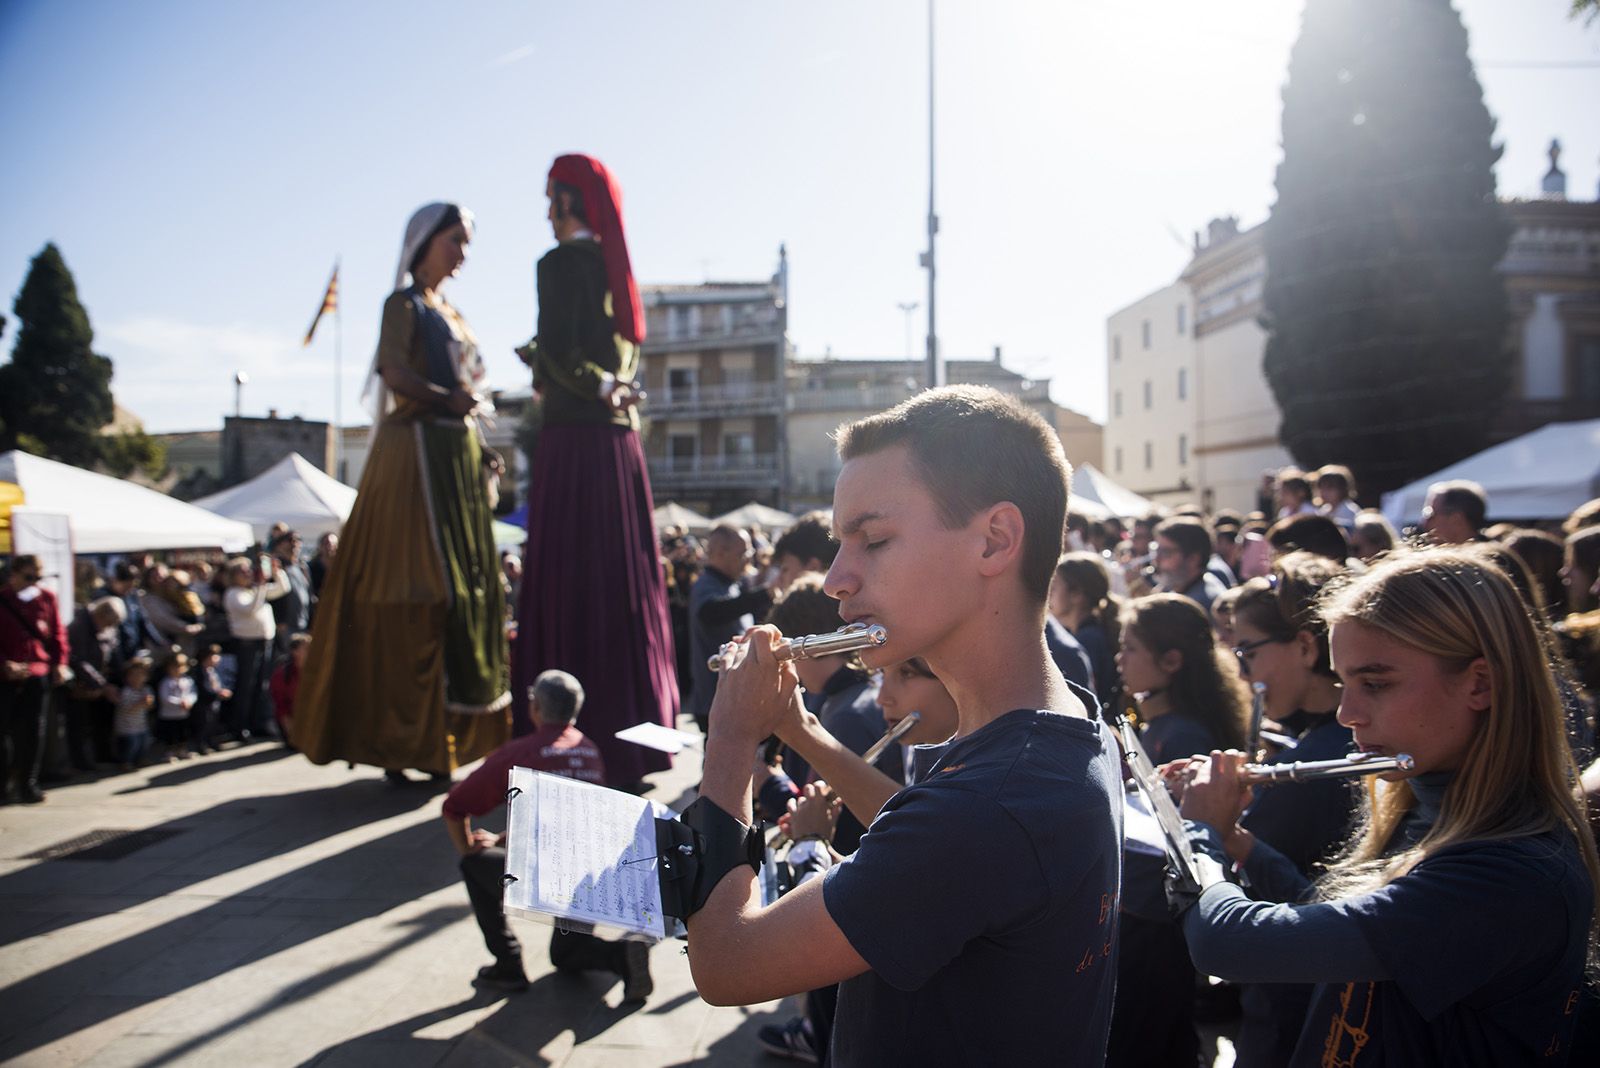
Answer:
x=408 y=665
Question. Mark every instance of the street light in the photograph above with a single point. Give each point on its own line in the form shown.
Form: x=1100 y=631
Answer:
x=239 y=381
x=908 y=306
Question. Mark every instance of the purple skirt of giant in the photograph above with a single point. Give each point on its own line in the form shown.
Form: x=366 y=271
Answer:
x=593 y=601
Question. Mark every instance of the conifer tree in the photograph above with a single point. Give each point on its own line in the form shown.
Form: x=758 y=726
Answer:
x=1386 y=318
x=55 y=394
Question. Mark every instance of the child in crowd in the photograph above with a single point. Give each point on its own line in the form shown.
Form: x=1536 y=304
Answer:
x=286 y=683
x=209 y=695
x=131 y=719
x=176 y=701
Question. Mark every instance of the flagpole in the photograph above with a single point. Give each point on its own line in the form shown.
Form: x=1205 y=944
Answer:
x=338 y=377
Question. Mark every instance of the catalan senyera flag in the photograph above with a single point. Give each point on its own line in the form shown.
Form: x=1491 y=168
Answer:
x=330 y=301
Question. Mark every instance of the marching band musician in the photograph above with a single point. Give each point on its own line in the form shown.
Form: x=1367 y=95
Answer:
x=1014 y=962
x=1281 y=642
x=1457 y=927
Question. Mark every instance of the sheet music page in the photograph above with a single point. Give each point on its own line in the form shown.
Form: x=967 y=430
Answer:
x=593 y=855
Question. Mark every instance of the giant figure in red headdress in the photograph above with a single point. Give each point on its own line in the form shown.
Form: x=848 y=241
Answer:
x=593 y=600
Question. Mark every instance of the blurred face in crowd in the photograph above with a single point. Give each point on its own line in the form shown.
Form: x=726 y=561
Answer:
x=1444 y=526
x=791 y=567
x=1579 y=582
x=1142 y=669
x=24 y=573
x=729 y=553
x=1399 y=699
x=910 y=687
x=328 y=546
x=1361 y=546
x=1330 y=491
x=1290 y=496
x=1140 y=539
x=1177 y=570
x=299 y=653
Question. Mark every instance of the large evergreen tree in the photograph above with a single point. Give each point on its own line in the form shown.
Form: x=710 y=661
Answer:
x=55 y=394
x=1386 y=318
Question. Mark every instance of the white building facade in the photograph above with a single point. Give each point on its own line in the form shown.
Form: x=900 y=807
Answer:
x=1151 y=422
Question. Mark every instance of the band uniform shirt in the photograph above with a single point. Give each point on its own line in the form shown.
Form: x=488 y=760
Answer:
x=1174 y=736
x=1484 y=945
x=1473 y=958
x=558 y=748
x=984 y=899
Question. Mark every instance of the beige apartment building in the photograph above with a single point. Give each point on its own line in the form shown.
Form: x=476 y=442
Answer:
x=1150 y=396
x=714 y=365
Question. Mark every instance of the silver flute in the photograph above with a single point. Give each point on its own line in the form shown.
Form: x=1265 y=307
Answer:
x=890 y=736
x=847 y=639
x=1312 y=770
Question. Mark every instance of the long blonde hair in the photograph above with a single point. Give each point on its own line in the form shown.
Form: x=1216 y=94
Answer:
x=1518 y=777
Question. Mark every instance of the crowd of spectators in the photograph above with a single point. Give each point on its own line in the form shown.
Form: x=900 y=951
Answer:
x=159 y=658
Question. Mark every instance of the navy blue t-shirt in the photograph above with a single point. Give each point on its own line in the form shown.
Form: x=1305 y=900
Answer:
x=1306 y=821
x=1176 y=735
x=985 y=900
x=1485 y=945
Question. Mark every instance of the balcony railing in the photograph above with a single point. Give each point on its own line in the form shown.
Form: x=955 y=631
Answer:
x=664 y=336
x=747 y=469
x=873 y=398
x=730 y=399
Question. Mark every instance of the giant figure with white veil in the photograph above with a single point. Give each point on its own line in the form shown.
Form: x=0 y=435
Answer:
x=408 y=665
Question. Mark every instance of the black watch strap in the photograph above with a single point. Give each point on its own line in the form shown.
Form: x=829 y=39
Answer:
x=697 y=849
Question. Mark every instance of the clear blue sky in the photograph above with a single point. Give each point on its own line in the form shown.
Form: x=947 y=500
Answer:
x=200 y=165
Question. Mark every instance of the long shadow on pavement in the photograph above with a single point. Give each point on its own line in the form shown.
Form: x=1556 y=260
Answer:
x=232 y=931
x=194 y=772
x=513 y=1033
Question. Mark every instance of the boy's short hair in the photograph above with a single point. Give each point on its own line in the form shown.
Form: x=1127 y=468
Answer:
x=560 y=696
x=811 y=538
x=1189 y=535
x=974 y=447
x=1314 y=533
x=805 y=609
x=299 y=638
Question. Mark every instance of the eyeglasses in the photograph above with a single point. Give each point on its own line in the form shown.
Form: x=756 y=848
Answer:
x=1245 y=651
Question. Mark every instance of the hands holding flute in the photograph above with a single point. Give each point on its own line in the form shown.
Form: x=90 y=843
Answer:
x=759 y=694
x=1212 y=790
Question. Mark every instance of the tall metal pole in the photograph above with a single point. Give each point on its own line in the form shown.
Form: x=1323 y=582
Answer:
x=338 y=375
x=933 y=377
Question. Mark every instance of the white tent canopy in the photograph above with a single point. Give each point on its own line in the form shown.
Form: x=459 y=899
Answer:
x=1095 y=495
x=292 y=491
x=673 y=514
x=1541 y=475
x=753 y=514
x=112 y=515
